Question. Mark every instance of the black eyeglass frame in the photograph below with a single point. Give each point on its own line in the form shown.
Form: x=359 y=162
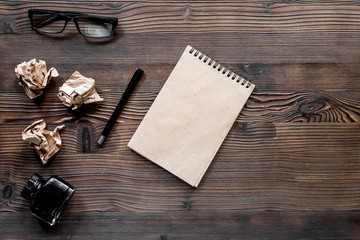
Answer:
x=74 y=17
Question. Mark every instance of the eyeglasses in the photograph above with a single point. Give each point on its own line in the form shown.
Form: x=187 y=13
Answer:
x=47 y=21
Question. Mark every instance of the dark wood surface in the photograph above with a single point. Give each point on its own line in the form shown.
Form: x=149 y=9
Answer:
x=288 y=169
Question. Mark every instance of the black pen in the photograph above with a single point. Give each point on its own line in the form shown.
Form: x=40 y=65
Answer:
x=129 y=89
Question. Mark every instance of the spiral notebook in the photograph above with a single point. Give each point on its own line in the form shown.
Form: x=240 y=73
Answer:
x=191 y=116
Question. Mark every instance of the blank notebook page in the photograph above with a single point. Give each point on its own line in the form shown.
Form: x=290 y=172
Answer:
x=191 y=116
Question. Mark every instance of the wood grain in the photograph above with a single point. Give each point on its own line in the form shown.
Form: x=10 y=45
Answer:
x=260 y=166
x=228 y=48
x=202 y=225
x=176 y=16
x=232 y=32
x=288 y=169
x=273 y=77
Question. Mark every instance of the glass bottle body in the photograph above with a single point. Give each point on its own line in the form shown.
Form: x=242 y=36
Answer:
x=48 y=199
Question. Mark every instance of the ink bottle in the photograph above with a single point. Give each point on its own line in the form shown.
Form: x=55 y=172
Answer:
x=47 y=198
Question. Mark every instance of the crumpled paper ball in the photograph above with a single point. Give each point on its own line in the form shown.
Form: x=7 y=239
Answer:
x=34 y=77
x=78 y=90
x=46 y=143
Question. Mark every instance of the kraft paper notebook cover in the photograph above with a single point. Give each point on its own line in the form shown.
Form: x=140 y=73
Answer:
x=191 y=116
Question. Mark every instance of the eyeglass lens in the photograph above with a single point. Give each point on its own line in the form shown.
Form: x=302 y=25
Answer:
x=94 y=28
x=48 y=22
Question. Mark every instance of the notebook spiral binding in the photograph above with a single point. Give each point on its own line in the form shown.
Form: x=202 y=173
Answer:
x=216 y=65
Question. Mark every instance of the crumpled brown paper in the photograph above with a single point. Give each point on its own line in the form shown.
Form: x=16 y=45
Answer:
x=78 y=90
x=33 y=76
x=46 y=143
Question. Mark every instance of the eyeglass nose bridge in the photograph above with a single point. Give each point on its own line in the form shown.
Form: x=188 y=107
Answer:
x=69 y=19
x=72 y=19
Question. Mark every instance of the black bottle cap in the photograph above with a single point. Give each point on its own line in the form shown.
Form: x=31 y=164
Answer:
x=32 y=187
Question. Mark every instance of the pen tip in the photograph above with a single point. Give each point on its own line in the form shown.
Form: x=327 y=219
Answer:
x=101 y=140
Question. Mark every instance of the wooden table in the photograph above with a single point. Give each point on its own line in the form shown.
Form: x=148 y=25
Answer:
x=288 y=169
